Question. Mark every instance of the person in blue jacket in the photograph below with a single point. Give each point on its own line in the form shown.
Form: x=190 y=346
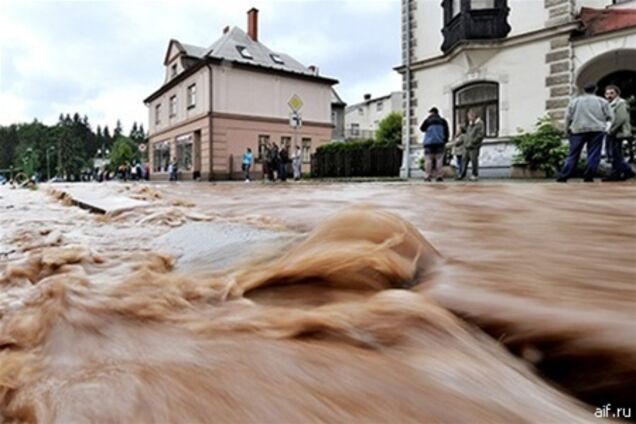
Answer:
x=436 y=134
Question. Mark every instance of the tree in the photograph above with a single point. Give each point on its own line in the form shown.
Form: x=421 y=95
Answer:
x=390 y=129
x=124 y=151
x=118 y=130
x=8 y=145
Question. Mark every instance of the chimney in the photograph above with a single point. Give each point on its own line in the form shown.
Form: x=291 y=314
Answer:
x=226 y=30
x=252 y=23
x=313 y=69
x=367 y=97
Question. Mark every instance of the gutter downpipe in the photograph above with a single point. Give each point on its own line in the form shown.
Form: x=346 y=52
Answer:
x=405 y=170
x=210 y=126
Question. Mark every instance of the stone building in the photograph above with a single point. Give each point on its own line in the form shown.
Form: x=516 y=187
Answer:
x=217 y=101
x=511 y=60
x=362 y=119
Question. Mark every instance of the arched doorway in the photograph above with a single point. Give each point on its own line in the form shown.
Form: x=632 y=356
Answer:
x=616 y=67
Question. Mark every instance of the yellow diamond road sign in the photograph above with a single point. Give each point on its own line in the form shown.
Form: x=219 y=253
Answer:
x=295 y=103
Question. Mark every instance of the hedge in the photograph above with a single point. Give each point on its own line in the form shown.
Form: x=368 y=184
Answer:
x=356 y=159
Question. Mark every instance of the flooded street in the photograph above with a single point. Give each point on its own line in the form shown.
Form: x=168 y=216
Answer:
x=401 y=302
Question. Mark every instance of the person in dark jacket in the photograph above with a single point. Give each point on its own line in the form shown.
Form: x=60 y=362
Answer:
x=436 y=134
x=283 y=163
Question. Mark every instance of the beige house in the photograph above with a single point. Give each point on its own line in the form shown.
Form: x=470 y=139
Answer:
x=217 y=101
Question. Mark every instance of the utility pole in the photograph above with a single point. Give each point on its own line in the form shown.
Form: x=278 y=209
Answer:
x=405 y=171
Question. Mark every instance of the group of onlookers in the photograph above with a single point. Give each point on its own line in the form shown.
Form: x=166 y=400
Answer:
x=276 y=162
x=465 y=145
x=589 y=120
x=135 y=172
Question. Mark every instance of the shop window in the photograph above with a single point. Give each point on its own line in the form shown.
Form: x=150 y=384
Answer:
x=184 y=153
x=160 y=156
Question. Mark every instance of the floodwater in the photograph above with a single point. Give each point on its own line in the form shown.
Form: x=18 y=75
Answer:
x=329 y=302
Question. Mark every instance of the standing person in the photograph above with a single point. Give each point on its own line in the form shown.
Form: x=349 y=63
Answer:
x=275 y=162
x=585 y=120
x=297 y=162
x=284 y=162
x=435 y=129
x=620 y=130
x=172 y=170
x=268 y=161
x=248 y=160
x=475 y=133
x=133 y=173
x=458 y=148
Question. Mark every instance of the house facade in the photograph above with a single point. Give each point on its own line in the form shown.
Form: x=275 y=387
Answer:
x=337 y=116
x=215 y=102
x=512 y=61
x=362 y=119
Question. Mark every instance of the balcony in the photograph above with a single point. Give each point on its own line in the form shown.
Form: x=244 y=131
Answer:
x=474 y=23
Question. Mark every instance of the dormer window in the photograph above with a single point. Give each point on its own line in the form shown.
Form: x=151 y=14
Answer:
x=277 y=59
x=173 y=71
x=244 y=52
x=466 y=20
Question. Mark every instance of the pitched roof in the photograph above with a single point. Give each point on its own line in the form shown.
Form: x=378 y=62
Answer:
x=336 y=99
x=194 y=51
x=227 y=48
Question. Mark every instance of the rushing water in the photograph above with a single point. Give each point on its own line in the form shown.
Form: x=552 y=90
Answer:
x=366 y=302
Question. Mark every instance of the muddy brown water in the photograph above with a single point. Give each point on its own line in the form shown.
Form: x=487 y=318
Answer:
x=339 y=303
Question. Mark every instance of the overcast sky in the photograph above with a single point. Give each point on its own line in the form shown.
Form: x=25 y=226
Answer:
x=102 y=58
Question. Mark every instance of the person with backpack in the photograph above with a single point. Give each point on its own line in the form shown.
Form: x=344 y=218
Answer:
x=436 y=134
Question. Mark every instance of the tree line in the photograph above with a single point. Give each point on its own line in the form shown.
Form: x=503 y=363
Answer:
x=67 y=148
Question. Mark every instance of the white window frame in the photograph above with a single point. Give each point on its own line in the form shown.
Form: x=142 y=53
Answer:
x=192 y=95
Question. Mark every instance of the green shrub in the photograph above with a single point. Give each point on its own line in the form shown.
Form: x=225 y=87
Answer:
x=542 y=149
x=390 y=129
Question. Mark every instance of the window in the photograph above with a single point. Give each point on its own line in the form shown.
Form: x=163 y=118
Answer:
x=306 y=147
x=355 y=130
x=466 y=20
x=360 y=111
x=158 y=114
x=277 y=59
x=262 y=140
x=379 y=106
x=192 y=96
x=173 y=71
x=456 y=7
x=244 y=52
x=482 y=4
x=483 y=98
x=160 y=156
x=173 y=106
x=184 y=152
x=334 y=117
x=285 y=142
